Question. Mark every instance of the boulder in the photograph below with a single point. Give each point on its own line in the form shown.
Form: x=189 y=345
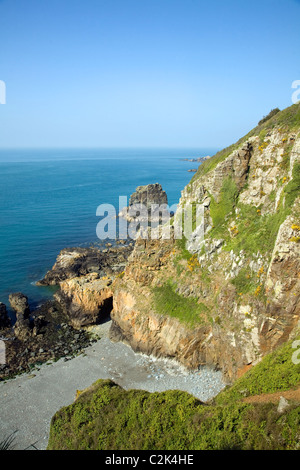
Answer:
x=283 y=405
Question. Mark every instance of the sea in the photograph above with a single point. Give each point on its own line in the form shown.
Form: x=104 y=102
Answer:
x=49 y=199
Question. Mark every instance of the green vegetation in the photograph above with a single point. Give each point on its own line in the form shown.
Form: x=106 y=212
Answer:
x=288 y=119
x=181 y=245
x=292 y=189
x=254 y=232
x=245 y=281
x=106 y=417
x=186 y=309
x=220 y=210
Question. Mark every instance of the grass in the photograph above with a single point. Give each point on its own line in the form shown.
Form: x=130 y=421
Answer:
x=221 y=209
x=245 y=281
x=292 y=189
x=272 y=113
x=7 y=443
x=106 y=417
x=254 y=231
x=288 y=119
x=181 y=245
x=187 y=310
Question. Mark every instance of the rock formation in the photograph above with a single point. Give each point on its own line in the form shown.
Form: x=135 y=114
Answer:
x=86 y=300
x=150 y=197
x=77 y=262
x=19 y=303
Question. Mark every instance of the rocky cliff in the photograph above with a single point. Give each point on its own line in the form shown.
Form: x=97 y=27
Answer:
x=228 y=298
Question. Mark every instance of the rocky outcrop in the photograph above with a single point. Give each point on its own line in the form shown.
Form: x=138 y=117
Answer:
x=50 y=338
x=86 y=300
x=19 y=303
x=77 y=262
x=282 y=286
x=149 y=196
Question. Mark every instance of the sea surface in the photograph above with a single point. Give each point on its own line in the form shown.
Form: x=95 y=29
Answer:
x=49 y=198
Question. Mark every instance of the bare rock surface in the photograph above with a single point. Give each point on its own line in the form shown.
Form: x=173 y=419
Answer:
x=78 y=261
x=85 y=300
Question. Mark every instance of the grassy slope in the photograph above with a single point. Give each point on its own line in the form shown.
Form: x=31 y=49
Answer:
x=106 y=417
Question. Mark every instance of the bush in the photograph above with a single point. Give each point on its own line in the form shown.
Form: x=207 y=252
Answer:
x=171 y=420
x=269 y=116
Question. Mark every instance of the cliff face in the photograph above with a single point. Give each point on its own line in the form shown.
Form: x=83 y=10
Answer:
x=228 y=299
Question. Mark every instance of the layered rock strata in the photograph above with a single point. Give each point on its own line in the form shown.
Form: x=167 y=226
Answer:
x=86 y=300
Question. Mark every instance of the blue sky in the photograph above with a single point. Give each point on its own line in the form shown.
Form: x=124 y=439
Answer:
x=128 y=73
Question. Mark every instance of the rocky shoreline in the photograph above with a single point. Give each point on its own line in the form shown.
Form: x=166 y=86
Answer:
x=57 y=328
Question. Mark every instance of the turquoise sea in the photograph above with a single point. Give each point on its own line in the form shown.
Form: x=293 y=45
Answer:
x=49 y=200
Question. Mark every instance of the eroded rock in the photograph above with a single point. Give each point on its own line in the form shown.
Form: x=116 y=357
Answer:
x=77 y=262
x=85 y=300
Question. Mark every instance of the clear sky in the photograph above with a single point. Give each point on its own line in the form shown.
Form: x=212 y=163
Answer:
x=143 y=73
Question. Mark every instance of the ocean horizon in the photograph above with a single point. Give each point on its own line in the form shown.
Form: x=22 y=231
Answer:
x=49 y=199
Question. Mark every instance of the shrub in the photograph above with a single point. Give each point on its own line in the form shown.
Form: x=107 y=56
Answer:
x=269 y=116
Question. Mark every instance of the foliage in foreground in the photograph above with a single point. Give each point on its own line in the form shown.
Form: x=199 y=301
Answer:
x=106 y=417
